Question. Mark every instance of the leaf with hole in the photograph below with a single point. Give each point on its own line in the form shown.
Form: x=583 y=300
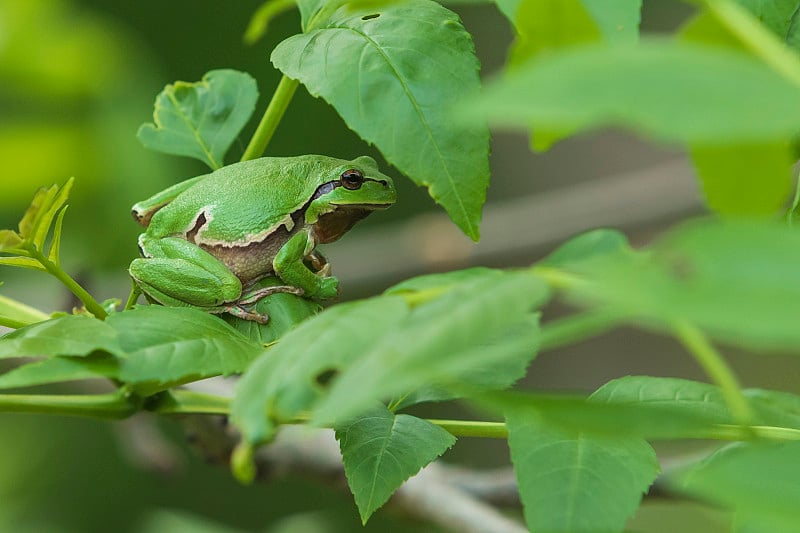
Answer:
x=453 y=341
x=290 y=377
x=393 y=73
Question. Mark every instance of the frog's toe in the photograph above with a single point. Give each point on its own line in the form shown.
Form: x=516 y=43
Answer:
x=240 y=312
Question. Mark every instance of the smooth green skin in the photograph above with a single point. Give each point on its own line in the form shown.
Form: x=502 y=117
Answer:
x=264 y=215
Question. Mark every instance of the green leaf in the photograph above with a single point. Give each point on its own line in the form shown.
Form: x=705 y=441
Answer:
x=19 y=311
x=442 y=281
x=737 y=280
x=263 y=16
x=592 y=244
x=577 y=482
x=308 y=8
x=778 y=16
x=381 y=450
x=450 y=342
x=546 y=25
x=54 y=254
x=683 y=396
x=288 y=378
x=168 y=346
x=749 y=179
x=60 y=369
x=756 y=480
x=775 y=408
x=9 y=240
x=618 y=21
x=283 y=309
x=201 y=119
x=658 y=419
x=22 y=262
x=393 y=79
x=493 y=365
x=41 y=201
x=74 y=335
x=48 y=210
x=668 y=90
x=651 y=407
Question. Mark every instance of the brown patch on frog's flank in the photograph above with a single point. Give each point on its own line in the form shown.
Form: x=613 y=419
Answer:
x=253 y=261
x=198 y=223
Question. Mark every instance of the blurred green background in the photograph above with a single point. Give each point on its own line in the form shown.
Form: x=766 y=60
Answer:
x=77 y=78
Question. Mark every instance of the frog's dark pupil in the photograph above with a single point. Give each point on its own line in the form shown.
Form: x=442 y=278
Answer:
x=352 y=179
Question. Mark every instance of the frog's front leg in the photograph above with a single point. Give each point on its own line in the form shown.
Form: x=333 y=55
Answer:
x=289 y=266
x=178 y=273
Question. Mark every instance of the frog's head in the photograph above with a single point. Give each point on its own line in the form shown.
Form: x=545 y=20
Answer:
x=351 y=190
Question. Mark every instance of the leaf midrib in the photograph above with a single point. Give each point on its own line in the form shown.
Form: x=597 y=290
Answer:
x=419 y=113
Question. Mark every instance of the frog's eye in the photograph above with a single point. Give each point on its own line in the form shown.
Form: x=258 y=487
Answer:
x=352 y=179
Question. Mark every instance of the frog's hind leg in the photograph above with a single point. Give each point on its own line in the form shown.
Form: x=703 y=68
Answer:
x=178 y=273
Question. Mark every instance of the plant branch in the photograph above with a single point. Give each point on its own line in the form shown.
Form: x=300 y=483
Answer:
x=578 y=327
x=83 y=295
x=181 y=401
x=133 y=296
x=113 y=405
x=11 y=323
x=272 y=117
x=716 y=367
x=473 y=428
x=556 y=278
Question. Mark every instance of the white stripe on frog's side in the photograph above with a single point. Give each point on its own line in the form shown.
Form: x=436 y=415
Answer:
x=247 y=240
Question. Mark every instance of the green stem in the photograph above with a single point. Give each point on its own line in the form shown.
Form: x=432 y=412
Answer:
x=578 y=327
x=473 y=428
x=557 y=279
x=740 y=433
x=11 y=323
x=133 y=296
x=757 y=38
x=90 y=303
x=115 y=405
x=179 y=401
x=272 y=117
x=716 y=367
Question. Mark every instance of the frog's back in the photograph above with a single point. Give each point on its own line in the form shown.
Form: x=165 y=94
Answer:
x=238 y=203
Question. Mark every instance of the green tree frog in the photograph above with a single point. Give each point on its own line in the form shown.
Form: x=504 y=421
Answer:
x=209 y=239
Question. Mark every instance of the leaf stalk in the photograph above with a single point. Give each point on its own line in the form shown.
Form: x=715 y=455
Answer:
x=272 y=117
x=83 y=295
x=716 y=367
